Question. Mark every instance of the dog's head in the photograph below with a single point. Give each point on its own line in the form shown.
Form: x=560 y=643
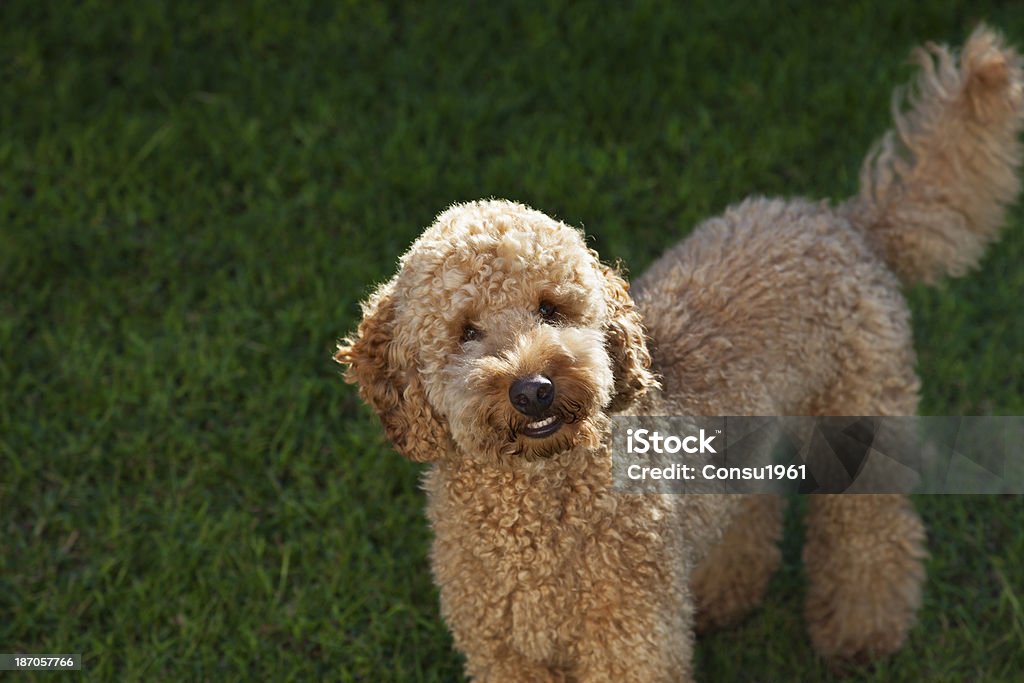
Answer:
x=502 y=335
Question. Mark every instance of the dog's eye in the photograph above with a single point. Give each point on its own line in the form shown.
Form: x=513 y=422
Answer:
x=548 y=311
x=470 y=333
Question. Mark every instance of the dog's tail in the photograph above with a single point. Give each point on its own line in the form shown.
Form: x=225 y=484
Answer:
x=934 y=190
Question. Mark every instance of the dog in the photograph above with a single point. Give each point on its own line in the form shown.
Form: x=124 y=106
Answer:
x=503 y=345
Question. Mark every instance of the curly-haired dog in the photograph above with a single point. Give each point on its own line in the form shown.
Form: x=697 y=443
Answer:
x=502 y=345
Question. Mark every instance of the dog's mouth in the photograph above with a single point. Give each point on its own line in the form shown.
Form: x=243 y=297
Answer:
x=542 y=428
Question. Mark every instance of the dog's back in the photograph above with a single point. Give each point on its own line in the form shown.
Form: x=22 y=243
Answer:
x=755 y=311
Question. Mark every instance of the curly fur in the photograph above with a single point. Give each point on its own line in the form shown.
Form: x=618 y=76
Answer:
x=776 y=307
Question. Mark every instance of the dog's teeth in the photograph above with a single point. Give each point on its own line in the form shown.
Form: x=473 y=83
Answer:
x=541 y=423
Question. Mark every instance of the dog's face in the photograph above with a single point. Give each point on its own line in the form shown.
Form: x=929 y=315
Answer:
x=501 y=336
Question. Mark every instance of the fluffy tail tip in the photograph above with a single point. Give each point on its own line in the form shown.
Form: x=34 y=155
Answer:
x=934 y=192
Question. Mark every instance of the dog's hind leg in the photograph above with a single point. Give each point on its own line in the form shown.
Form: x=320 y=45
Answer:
x=731 y=580
x=864 y=554
x=864 y=559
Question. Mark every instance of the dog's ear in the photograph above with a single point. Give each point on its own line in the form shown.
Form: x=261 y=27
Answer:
x=627 y=344
x=389 y=382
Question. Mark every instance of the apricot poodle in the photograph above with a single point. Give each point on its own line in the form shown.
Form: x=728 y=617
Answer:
x=502 y=346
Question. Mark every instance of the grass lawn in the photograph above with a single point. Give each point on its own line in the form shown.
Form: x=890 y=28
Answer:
x=194 y=197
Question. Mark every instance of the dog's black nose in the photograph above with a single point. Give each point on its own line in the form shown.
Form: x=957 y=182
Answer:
x=532 y=395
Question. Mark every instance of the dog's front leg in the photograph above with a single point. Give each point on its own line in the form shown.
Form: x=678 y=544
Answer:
x=638 y=641
x=638 y=623
x=493 y=644
x=503 y=665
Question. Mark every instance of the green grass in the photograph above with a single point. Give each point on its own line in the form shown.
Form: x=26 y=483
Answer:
x=193 y=200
